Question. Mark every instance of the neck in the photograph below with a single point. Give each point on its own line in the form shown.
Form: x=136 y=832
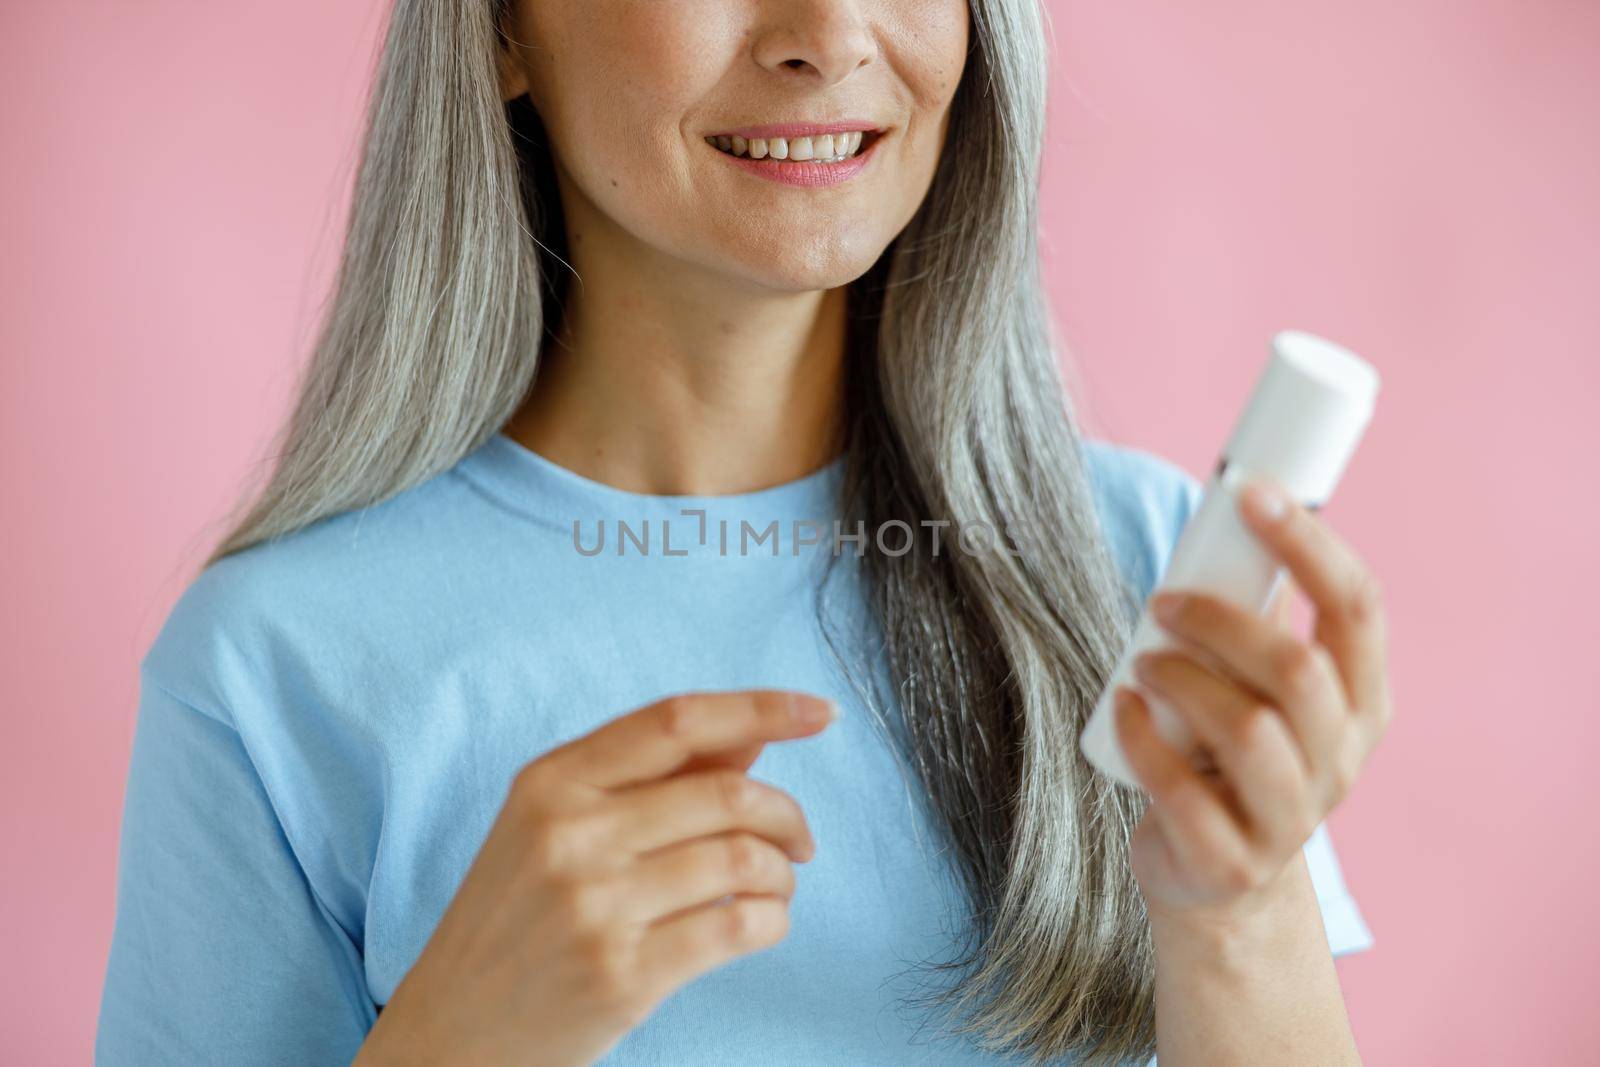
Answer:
x=667 y=378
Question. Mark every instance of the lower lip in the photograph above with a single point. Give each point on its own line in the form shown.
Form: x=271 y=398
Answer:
x=805 y=173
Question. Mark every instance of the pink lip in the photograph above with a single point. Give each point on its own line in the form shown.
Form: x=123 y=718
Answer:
x=805 y=173
x=796 y=129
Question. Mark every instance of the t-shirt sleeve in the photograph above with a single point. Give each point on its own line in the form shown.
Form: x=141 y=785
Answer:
x=221 y=952
x=1144 y=501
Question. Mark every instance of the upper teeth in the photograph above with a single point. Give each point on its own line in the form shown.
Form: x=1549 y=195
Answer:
x=827 y=146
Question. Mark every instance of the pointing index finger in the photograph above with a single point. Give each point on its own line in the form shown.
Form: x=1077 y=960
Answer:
x=664 y=737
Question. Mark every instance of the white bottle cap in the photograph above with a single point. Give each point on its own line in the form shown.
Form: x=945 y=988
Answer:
x=1305 y=416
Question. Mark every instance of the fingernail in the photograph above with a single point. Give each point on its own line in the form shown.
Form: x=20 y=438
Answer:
x=1266 y=501
x=1167 y=605
x=812 y=710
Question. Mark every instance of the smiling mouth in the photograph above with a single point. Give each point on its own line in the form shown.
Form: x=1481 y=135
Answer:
x=817 y=148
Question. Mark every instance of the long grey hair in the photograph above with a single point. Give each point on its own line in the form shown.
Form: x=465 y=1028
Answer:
x=453 y=265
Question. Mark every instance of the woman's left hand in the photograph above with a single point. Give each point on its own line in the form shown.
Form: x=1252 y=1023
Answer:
x=1287 y=723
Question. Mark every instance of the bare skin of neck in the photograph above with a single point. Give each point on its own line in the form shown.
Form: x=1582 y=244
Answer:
x=672 y=377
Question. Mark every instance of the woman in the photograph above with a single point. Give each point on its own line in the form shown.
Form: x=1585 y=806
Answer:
x=503 y=728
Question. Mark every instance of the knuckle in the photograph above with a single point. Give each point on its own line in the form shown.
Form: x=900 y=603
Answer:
x=608 y=964
x=736 y=792
x=738 y=921
x=750 y=921
x=675 y=717
x=1365 y=601
x=1342 y=772
x=1327 y=666
x=1248 y=730
x=1298 y=669
x=552 y=843
x=745 y=857
x=582 y=905
x=772 y=704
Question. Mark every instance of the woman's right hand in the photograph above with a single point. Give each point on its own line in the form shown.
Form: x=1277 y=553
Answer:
x=599 y=888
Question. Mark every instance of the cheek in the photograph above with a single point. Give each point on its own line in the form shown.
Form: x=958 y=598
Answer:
x=929 y=43
x=622 y=74
x=926 y=42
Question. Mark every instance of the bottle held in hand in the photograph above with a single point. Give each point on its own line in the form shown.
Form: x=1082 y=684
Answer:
x=1300 y=427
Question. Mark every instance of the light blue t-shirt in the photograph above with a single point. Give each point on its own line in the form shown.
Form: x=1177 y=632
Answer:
x=328 y=725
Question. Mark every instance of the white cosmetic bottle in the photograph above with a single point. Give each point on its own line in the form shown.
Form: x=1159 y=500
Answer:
x=1300 y=427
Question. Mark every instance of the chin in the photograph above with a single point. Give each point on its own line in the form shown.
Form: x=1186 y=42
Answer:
x=823 y=265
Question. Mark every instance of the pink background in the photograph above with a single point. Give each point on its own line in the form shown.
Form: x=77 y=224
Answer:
x=1420 y=181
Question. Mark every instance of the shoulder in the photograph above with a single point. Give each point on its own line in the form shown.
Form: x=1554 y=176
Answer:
x=1143 y=500
x=253 y=617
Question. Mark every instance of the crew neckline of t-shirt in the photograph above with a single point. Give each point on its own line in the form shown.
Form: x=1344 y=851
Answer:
x=541 y=489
